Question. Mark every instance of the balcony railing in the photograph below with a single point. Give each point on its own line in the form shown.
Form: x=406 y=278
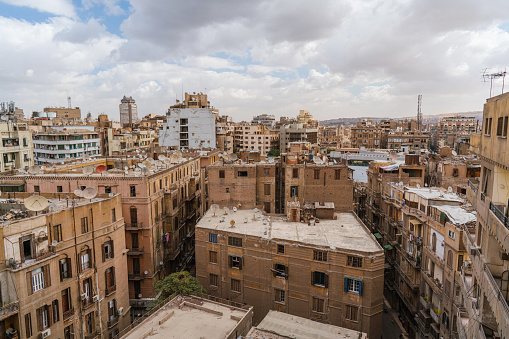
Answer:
x=134 y=276
x=483 y=196
x=9 y=309
x=113 y=321
x=86 y=303
x=133 y=226
x=136 y=251
x=499 y=213
x=110 y=289
x=472 y=186
x=68 y=314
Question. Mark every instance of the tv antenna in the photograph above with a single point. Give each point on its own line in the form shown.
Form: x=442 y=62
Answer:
x=492 y=76
x=419 y=113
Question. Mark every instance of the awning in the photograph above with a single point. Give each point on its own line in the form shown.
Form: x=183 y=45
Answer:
x=377 y=235
x=389 y=247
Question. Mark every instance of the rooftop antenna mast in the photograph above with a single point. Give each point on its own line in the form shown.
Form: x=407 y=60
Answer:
x=69 y=101
x=419 y=113
x=492 y=76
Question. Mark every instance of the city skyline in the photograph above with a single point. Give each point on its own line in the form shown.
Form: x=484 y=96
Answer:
x=338 y=59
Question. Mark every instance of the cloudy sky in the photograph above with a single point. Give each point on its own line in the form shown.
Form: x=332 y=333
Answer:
x=333 y=58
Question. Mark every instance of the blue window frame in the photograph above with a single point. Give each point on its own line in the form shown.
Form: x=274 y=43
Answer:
x=353 y=285
x=213 y=238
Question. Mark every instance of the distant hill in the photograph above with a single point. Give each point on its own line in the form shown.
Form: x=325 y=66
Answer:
x=428 y=119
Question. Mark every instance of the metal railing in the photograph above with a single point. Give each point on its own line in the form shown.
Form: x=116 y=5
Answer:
x=67 y=314
x=499 y=213
x=136 y=251
x=110 y=289
x=483 y=196
x=9 y=309
x=472 y=186
x=133 y=226
x=113 y=321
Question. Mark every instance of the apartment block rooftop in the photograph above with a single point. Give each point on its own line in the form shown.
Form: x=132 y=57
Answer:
x=195 y=317
x=279 y=325
x=344 y=232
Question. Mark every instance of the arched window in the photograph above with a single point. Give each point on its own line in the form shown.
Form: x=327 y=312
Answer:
x=434 y=242
x=107 y=249
x=449 y=259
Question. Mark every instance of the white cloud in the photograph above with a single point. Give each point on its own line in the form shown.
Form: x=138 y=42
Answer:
x=57 y=7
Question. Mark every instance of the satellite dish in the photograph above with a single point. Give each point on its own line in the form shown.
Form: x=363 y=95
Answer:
x=141 y=165
x=36 y=203
x=234 y=209
x=144 y=171
x=178 y=153
x=126 y=168
x=317 y=160
x=126 y=172
x=100 y=168
x=89 y=193
x=162 y=157
x=232 y=156
x=393 y=156
x=4 y=117
x=88 y=170
x=86 y=157
x=214 y=208
x=174 y=158
x=401 y=183
x=53 y=208
x=255 y=210
x=34 y=170
x=449 y=189
x=54 y=243
x=232 y=223
x=226 y=210
x=418 y=186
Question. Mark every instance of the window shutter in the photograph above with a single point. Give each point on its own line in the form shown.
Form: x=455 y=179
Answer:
x=39 y=319
x=78 y=263
x=103 y=252
x=286 y=271
x=47 y=276
x=312 y=278
x=230 y=261
x=29 y=283
x=89 y=251
x=113 y=276
x=360 y=287
x=346 y=284
x=21 y=249
x=241 y=261
x=326 y=280
x=112 y=250
x=50 y=314
x=69 y=270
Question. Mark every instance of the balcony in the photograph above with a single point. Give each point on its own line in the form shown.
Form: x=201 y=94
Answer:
x=424 y=321
x=113 y=321
x=473 y=186
x=436 y=259
x=432 y=282
x=500 y=224
x=9 y=309
x=91 y=335
x=425 y=303
x=434 y=312
x=87 y=303
x=462 y=324
x=136 y=251
x=68 y=314
x=133 y=226
x=110 y=290
x=134 y=276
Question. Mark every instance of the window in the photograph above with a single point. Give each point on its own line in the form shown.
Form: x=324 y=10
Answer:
x=214 y=280
x=232 y=241
x=109 y=279
x=89 y=323
x=107 y=189
x=43 y=320
x=452 y=235
x=113 y=215
x=36 y=188
x=59 y=188
x=460 y=262
x=235 y=285
x=65 y=268
x=316 y=174
x=57 y=233
x=132 y=189
x=84 y=225
x=504 y=133
x=38 y=279
x=54 y=309
x=434 y=242
x=28 y=325
x=294 y=191
x=318 y=305
x=213 y=238
x=353 y=285
x=280 y=270
x=351 y=312
x=227 y=190
x=281 y=249
x=85 y=260
x=280 y=296
x=266 y=172
x=213 y=257
x=221 y=174
x=68 y=332
x=319 y=255
x=319 y=279
x=447 y=288
x=500 y=126
x=242 y=174
x=449 y=258
x=354 y=261
x=266 y=189
x=235 y=261
x=107 y=250
x=337 y=174
x=295 y=173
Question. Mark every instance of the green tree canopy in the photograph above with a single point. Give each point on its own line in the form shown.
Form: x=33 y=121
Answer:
x=180 y=282
x=274 y=153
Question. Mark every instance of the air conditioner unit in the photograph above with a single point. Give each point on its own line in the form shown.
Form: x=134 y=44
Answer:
x=473 y=250
x=503 y=255
x=95 y=298
x=83 y=296
x=46 y=333
x=120 y=310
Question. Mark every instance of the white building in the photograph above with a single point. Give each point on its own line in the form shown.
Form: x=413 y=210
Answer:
x=60 y=143
x=16 y=146
x=267 y=120
x=128 y=110
x=255 y=138
x=191 y=124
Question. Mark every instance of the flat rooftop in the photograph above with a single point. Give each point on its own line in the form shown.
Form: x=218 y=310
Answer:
x=278 y=325
x=345 y=233
x=190 y=317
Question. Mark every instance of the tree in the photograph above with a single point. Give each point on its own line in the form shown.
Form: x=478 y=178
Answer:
x=179 y=282
x=274 y=153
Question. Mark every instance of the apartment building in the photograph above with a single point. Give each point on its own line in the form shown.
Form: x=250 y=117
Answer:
x=407 y=141
x=64 y=273
x=224 y=134
x=60 y=143
x=330 y=271
x=65 y=112
x=128 y=111
x=367 y=134
x=452 y=172
x=296 y=132
x=453 y=125
x=486 y=274
x=161 y=205
x=16 y=150
x=191 y=124
x=305 y=118
x=267 y=120
x=249 y=137
x=329 y=136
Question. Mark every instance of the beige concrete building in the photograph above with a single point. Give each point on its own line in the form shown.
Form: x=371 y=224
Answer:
x=195 y=317
x=408 y=141
x=16 y=149
x=368 y=134
x=65 y=112
x=249 y=137
x=329 y=271
x=296 y=132
x=64 y=273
